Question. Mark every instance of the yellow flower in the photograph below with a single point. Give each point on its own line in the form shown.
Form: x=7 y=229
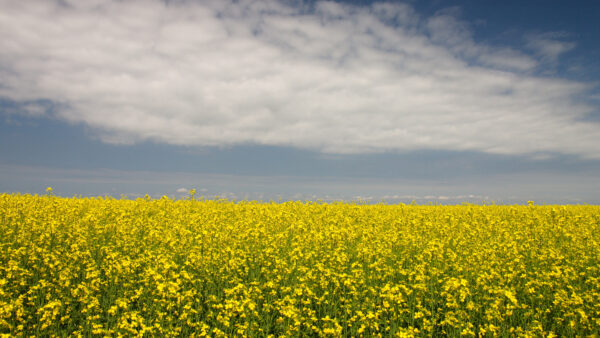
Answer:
x=166 y=267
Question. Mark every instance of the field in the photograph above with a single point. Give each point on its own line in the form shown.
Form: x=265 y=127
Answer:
x=152 y=267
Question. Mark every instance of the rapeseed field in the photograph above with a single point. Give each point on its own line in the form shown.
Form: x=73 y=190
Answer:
x=163 y=267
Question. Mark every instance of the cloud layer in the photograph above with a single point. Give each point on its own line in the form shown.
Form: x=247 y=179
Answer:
x=544 y=188
x=330 y=77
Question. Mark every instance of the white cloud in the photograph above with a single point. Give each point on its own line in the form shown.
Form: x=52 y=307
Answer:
x=182 y=190
x=447 y=30
x=31 y=109
x=549 y=46
x=335 y=79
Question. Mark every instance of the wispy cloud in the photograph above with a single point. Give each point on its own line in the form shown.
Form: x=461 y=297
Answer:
x=334 y=78
x=549 y=46
x=446 y=29
x=504 y=188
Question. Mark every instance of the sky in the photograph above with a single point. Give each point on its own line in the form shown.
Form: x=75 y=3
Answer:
x=433 y=101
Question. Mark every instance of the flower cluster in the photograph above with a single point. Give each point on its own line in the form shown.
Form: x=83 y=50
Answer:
x=163 y=267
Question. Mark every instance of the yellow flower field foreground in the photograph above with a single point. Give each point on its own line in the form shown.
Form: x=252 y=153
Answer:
x=101 y=266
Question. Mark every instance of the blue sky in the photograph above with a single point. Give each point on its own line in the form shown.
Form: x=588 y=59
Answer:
x=433 y=101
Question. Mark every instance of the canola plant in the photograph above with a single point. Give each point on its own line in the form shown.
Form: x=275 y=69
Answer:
x=164 y=267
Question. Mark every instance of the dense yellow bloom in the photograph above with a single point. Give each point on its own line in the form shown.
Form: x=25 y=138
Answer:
x=106 y=267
